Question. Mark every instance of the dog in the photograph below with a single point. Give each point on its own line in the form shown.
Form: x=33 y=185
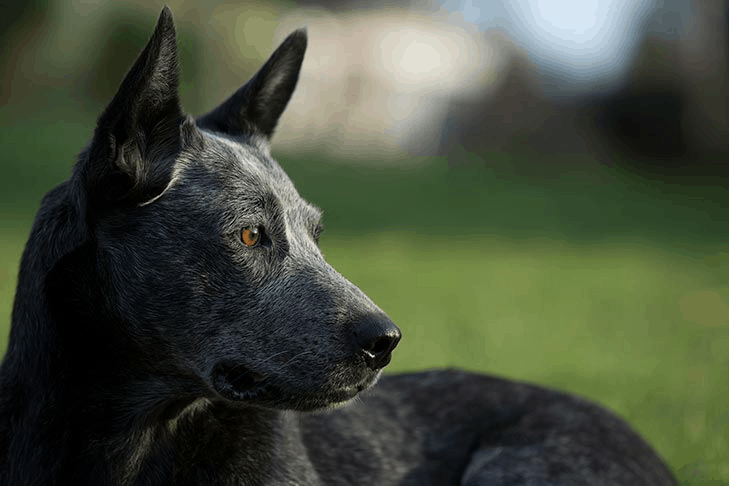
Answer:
x=175 y=323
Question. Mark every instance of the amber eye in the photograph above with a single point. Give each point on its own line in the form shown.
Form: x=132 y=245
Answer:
x=250 y=236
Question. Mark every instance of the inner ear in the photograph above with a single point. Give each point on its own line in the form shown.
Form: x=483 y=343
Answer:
x=257 y=106
x=138 y=134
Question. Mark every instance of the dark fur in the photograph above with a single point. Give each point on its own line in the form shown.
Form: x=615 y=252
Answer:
x=150 y=346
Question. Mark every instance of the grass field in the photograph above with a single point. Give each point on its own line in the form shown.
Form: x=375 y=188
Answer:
x=640 y=330
x=590 y=280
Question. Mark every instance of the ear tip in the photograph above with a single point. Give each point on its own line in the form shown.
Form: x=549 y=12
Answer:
x=166 y=21
x=299 y=38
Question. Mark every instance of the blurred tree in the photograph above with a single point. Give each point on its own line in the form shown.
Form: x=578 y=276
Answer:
x=17 y=19
x=644 y=119
x=16 y=16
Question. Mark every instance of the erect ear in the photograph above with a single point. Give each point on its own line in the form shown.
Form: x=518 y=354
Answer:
x=141 y=126
x=258 y=104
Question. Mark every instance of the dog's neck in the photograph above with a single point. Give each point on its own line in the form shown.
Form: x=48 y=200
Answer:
x=105 y=431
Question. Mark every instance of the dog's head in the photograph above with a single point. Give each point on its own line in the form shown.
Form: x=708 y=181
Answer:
x=205 y=256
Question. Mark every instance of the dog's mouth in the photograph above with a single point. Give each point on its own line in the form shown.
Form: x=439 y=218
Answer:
x=236 y=382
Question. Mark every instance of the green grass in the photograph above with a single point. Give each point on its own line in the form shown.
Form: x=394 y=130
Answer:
x=640 y=330
x=11 y=247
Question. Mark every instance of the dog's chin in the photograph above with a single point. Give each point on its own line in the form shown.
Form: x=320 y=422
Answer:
x=245 y=387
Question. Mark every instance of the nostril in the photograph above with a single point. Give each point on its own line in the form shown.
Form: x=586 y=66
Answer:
x=380 y=345
x=377 y=338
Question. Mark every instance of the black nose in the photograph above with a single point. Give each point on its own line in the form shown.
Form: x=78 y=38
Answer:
x=375 y=337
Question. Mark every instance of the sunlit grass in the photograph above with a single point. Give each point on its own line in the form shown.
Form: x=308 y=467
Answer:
x=641 y=330
x=11 y=247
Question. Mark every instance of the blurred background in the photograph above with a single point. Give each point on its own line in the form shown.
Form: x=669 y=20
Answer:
x=531 y=188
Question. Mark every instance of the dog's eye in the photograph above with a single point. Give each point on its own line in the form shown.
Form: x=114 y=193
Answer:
x=250 y=235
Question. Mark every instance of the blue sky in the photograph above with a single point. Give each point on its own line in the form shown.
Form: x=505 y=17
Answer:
x=578 y=44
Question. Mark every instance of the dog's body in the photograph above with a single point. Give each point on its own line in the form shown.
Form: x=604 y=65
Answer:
x=174 y=317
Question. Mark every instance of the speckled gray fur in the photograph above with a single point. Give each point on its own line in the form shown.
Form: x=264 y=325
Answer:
x=151 y=346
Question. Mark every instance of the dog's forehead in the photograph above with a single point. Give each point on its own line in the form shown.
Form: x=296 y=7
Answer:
x=243 y=163
x=247 y=171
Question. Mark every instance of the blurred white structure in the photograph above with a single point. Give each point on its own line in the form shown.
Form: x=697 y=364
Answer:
x=379 y=82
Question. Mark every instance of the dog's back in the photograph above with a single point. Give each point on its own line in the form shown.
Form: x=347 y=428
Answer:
x=176 y=323
x=454 y=427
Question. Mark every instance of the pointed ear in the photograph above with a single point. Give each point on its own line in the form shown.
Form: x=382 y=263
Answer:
x=140 y=126
x=258 y=104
